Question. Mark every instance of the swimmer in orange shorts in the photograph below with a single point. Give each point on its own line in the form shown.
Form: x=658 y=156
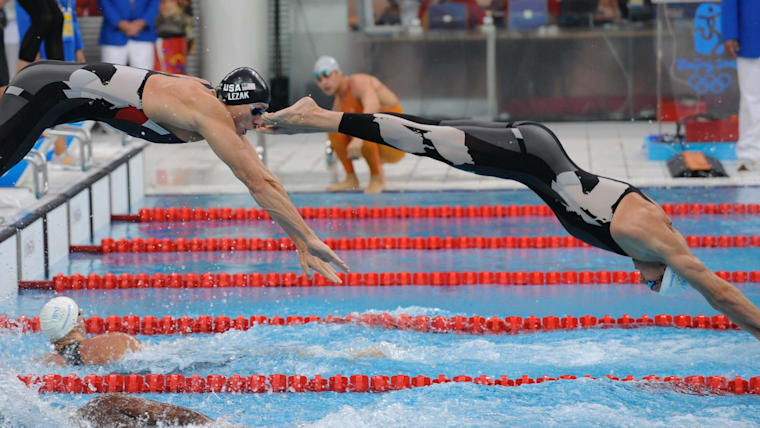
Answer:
x=357 y=93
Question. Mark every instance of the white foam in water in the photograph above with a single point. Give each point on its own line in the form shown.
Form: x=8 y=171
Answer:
x=412 y=310
x=24 y=407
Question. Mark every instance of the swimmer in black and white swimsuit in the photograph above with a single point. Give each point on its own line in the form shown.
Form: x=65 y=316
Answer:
x=49 y=93
x=603 y=212
x=527 y=152
x=160 y=108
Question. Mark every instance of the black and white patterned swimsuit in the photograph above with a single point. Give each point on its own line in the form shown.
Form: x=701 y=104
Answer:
x=527 y=152
x=48 y=93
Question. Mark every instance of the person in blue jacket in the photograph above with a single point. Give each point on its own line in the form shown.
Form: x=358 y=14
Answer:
x=741 y=36
x=72 y=37
x=128 y=34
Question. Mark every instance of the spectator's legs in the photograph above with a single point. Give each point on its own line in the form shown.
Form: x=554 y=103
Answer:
x=141 y=54
x=339 y=143
x=54 y=36
x=47 y=25
x=113 y=54
x=748 y=147
x=371 y=153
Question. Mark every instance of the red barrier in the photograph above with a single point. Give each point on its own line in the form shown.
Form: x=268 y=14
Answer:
x=152 y=245
x=204 y=324
x=279 y=383
x=184 y=214
x=62 y=283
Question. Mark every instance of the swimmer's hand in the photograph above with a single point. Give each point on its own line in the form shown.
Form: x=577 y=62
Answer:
x=317 y=255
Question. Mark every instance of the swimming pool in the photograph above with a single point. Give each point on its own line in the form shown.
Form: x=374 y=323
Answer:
x=332 y=348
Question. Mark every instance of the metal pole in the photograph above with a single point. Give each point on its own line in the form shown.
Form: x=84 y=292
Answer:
x=660 y=16
x=490 y=31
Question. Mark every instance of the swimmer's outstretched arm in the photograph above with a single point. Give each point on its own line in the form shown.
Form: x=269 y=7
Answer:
x=112 y=409
x=201 y=113
x=644 y=233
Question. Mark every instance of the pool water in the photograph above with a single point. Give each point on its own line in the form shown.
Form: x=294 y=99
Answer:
x=330 y=349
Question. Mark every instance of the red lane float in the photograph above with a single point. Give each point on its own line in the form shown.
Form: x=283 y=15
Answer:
x=62 y=282
x=159 y=214
x=205 y=324
x=94 y=281
x=166 y=245
x=280 y=383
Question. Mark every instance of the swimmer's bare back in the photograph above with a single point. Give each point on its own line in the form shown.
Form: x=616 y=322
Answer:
x=119 y=410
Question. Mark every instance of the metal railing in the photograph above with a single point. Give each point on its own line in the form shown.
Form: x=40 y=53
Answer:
x=39 y=167
x=80 y=134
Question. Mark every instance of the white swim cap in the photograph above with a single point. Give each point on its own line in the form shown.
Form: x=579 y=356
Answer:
x=58 y=317
x=672 y=284
x=325 y=65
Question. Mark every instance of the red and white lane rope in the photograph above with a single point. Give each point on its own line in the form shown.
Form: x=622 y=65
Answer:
x=159 y=214
x=205 y=324
x=112 y=281
x=167 y=245
x=280 y=383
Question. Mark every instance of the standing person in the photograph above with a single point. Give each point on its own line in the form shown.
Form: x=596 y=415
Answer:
x=4 y=74
x=71 y=36
x=174 y=26
x=741 y=35
x=128 y=34
x=606 y=213
x=161 y=108
x=46 y=25
x=72 y=51
x=357 y=93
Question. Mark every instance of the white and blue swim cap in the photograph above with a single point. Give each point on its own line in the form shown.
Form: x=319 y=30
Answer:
x=672 y=284
x=325 y=65
x=58 y=317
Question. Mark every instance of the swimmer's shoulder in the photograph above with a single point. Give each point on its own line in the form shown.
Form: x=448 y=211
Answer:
x=166 y=89
x=182 y=87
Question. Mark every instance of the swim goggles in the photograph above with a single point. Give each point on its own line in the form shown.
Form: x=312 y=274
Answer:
x=257 y=111
x=323 y=73
x=651 y=283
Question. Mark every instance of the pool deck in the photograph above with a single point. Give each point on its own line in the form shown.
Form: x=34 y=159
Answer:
x=612 y=149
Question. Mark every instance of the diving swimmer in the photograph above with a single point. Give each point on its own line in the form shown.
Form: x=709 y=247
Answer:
x=62 y=323
x=603 y=212
x=160 y=108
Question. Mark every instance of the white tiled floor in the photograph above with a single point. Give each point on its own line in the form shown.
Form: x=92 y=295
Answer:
x=613 y=149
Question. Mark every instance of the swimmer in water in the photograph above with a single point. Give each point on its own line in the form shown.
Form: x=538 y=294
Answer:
x=357 y=93
x=160 y=108
x=61 y=321
x=122 y=411
x=603 y=212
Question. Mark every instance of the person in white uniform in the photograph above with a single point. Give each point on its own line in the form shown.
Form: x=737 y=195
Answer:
x=741 y=35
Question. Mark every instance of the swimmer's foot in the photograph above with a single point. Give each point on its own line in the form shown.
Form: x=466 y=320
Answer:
x=350 y=183
x=297 y=118
x=376 y=184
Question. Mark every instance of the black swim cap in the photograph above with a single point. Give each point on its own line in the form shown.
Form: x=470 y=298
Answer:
x=243 y=85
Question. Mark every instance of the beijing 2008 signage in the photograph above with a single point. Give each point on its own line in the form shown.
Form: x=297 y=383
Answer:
x=709 y=68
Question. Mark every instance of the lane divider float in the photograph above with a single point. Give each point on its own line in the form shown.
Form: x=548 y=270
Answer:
x=280 y=383
x=205 y=324
x=167 y=245
x=112 y=281
x=160 y=214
